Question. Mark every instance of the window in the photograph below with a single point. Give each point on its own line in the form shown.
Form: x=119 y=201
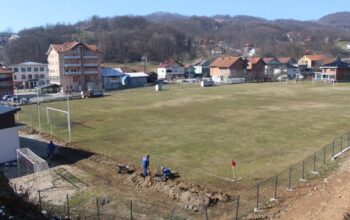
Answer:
x=23 y=76
x=42 y=76
x=30 y=76
x=42 y=69
x=36 y=69
x=15 y=69
x=23 y=70
x=36 y=76
x=14 y=77
x=29 y=69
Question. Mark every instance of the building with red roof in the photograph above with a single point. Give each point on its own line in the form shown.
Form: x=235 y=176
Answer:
x=228 y=67
x=255 y=69
x=74 y=66
x=170 y=69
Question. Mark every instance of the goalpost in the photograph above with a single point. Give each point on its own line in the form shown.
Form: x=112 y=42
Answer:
x=31 y=164
x=64 y=112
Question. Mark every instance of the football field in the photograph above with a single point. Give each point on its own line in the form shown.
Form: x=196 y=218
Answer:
x=197 y=131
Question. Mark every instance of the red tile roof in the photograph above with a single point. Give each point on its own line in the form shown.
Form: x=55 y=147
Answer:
x=252 y=61
x=71 y=45
x=168 y=63
x=225 y=62
x=268 y=59
x=285 y=59
x=317 y=57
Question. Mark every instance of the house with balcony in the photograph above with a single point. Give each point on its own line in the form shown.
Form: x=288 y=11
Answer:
x=74 y=66
x=228 y=67
x=29 y=75
x=170 y=70
x=273 y=68
x=6 y=81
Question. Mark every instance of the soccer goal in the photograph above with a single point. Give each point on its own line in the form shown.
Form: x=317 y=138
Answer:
x=35 y=168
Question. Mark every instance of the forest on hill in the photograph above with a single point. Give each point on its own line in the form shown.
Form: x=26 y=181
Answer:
x=161 y=36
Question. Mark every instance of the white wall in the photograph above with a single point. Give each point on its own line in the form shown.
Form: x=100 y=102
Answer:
x=9 y=143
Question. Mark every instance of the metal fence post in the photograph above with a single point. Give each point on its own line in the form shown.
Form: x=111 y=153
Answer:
x=341 y=143
x=303 y=171
x=97 y=209
x=333 y=148
x=257 y=196
x=324 y=155
x=237 y=208
x=130 y=209
x=315 y=164
x=206 y=212
x=68 y=211
x=290 y=178
x=276 y=186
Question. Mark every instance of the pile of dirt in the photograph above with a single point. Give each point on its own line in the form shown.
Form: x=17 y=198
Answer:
x=189 y=196
x=13 y=206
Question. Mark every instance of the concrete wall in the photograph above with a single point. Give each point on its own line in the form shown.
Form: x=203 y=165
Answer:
x=9 y=144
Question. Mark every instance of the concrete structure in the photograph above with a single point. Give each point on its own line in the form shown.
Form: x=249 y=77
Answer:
x=8 y=134
x=29 y=75
x=228 y=67
x=74 y=66
x=170 y=70
x=6 y=81
x=255 y=69
x=336 y=71
x=111 y=78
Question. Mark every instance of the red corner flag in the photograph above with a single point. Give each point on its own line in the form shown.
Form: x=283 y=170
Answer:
x=233 y=163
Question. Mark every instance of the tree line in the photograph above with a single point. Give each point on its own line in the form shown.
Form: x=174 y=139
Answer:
x=128 y=38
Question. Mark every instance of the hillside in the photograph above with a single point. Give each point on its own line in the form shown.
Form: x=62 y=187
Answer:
x=341 y=19
x=161 y=36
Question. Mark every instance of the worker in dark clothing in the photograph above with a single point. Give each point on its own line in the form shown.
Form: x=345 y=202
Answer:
x=145 y=165
x=50 y=150
x=166 y=172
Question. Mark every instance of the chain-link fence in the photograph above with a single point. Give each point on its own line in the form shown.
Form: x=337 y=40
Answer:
x=312 y=167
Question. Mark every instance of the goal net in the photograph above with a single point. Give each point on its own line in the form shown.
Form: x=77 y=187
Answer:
x=34 y=169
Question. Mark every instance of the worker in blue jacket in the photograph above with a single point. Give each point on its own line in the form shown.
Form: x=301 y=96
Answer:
x=145 y=165
x=166 y=172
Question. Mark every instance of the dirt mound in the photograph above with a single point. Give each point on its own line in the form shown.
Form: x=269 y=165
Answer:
x=192 y=197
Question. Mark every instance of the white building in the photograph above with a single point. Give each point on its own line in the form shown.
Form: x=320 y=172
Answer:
x=8 y=134
x=29 y=75
x=170 y=69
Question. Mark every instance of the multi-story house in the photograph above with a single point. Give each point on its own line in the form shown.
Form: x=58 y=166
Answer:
x=29 y=75
x=228 y=67
x=255 y=69
x=336 y=71
x=74 y=66
x=171 y=69
x=6 y=81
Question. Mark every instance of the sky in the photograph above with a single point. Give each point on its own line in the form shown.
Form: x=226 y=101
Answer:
x=19 y=14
